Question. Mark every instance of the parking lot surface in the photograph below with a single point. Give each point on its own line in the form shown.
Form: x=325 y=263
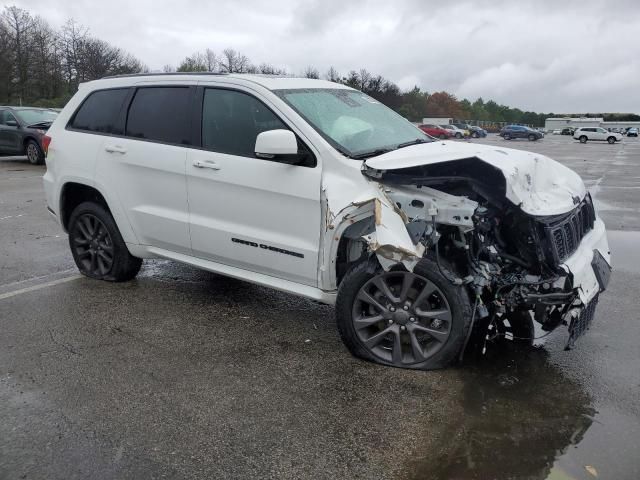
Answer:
x=186 y=374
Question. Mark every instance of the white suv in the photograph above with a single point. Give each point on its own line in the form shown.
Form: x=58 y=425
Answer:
x=596 y=133
x=314 y=188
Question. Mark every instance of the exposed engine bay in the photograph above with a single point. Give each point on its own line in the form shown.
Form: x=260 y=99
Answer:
x=511 y=262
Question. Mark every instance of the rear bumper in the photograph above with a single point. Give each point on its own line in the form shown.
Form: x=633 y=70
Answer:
x=580 y=264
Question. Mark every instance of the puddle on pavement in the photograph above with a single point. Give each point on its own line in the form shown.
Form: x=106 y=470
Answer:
x=518 y=415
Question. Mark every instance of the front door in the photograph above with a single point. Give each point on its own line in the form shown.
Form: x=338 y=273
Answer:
x=248 y=212
x=10 y=137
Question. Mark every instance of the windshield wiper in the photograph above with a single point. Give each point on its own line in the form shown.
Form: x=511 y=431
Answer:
x=372 y=153
x=40 y=124
x=417 y=141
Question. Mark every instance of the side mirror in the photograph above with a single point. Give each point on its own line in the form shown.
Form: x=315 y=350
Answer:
x=277 y=144
x=11 y=123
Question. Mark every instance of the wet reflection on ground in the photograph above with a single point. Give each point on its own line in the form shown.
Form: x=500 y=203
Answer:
x=518 y=413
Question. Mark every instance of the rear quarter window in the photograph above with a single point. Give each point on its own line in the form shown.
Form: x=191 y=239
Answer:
x=99 y=112
x=161 y=114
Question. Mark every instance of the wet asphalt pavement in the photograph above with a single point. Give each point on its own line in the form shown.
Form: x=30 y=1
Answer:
x=186 y=374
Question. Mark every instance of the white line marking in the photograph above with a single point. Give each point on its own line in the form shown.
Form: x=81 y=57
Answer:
x=41 y=277
x=4 y=296
x=12 y=216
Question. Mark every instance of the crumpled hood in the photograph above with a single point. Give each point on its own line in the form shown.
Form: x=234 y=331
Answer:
x=536 y=183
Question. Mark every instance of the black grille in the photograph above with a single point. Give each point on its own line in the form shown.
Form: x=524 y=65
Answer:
x=582 y=322
x=566 y=233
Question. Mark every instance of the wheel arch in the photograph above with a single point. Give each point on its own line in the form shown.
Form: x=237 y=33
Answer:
x=74 y=192
x=26 y=140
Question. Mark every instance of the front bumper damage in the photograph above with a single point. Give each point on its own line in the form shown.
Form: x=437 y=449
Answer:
x=590 y=269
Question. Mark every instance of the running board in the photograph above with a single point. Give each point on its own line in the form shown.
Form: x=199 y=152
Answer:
x=258 y=278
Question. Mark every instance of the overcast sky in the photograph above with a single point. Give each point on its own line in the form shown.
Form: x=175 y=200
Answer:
x=555 y=56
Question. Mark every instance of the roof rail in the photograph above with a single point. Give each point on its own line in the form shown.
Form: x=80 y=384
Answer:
x=155 y=74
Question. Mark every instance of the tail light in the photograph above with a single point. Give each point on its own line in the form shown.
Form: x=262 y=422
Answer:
x=46 y=141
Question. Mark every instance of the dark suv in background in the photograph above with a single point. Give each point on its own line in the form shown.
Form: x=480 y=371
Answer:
x=520 y=131
x=22 y=130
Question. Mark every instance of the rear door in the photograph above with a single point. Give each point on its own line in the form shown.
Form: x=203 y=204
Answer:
x=144 y=164
x=601 y=133
x=10 y=135
x=252 y=213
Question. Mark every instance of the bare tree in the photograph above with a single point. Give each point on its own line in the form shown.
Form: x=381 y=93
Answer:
x=194 y=63
x=268 y=69
x=20 y=25
x=233 y=61
x=168 y=69
x=211 y=60
x=332 y=75
x=311 y=72
x=365 y=78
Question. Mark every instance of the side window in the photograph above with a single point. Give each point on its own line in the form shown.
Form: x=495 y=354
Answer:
x=99 y=111
x=232 y=120
x=6 y=116
x=161 y=114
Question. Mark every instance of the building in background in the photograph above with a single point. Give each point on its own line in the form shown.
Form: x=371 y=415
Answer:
x=555 y=123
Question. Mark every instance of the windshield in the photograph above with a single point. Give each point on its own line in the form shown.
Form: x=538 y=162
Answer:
x=31 y=116
x=354 y=123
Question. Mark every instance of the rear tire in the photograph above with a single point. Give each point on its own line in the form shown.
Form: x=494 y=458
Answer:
x=507 y=136
x=34 y=153
x=583 y=139
x=400 y=341
x=611 y=140
x=97 y=246
x=443 y=136
x=458 y=135
x=474 y=135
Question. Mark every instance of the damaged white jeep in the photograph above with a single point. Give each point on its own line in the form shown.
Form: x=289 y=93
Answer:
x=426 y=247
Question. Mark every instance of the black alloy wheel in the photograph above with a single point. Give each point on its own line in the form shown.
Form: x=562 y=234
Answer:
x=97 y=246
x=92 y=246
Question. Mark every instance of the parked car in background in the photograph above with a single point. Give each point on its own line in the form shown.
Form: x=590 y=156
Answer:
x=22 y=130
x=455 y=131
x=596 y=133
x=436 y=131
x=519 y=131
x=632 y=132
x=477 y=132
x=567 y=131
x=556 y=131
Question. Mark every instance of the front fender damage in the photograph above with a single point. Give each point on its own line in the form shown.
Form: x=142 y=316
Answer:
x=391 y=241
x=384 y=229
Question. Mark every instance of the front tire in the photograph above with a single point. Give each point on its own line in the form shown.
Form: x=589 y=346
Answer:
x=97 y=246
x=34 y=153
x=416 y=320
x=458 y=135
x=583 y=139
x=507 y=136
x=443 y=136
x=474 y=135
x=532 y=138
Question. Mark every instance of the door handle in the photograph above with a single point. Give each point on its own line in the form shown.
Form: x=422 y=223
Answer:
x=206 y=164
x=115 y=149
